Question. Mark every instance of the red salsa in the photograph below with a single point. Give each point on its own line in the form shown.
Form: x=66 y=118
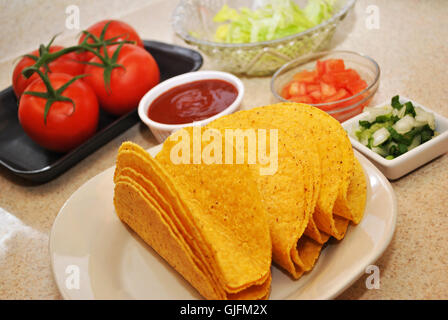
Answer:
x=193 y=101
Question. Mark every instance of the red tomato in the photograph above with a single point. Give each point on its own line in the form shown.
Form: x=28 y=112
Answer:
x=302 y=88
x=356 y=86
x=327 y=90
x=66 y=127
x=128 y=84
x=285 y=91
x=339 y=95
x=115 y=28
x=347 y=114
x=320 y=67
x=293 y=88
x=302 y=99
x=342 y=78
x=306 y=76
x=316 y=95
x=312 y=87
x=329 y=82
x=68 y=63
x=334 y=65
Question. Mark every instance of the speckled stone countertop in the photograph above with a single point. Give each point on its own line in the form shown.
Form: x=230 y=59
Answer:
x=411 y=48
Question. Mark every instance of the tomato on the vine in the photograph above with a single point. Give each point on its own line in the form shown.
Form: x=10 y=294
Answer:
x=68 y=63
x=115 y=29
x=137 y=72
x=66 y=125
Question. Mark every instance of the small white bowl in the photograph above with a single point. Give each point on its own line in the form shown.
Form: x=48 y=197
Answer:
x=411 y=160
x=162 y=130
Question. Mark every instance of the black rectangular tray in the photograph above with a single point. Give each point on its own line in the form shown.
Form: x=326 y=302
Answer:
x=23 y=157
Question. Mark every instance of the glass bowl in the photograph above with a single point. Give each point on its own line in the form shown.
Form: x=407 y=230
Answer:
x=343 y=109
x=195 y=17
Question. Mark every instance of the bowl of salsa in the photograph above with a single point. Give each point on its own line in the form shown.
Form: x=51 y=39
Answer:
x=190 y=99
x=340 y=83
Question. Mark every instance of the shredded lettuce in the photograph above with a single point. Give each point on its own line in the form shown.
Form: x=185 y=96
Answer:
x=317 y=11
x=274 y=20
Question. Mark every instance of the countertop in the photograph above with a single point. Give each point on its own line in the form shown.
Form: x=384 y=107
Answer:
x=411 y=48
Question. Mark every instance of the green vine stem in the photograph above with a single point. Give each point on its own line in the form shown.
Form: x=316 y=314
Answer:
x=45 y=57
x=53 y=95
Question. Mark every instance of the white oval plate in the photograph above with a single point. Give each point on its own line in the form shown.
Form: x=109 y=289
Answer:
x=95 y=256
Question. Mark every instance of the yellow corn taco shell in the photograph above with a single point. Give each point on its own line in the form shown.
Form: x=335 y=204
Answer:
x=356 y=196
x=219 y=225
x=336 y=160
x=222 y=257
x=289 y=194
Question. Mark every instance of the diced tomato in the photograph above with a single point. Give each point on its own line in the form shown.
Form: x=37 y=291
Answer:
x=328 y=83
x=294 y=89
x=316 y=95
x=302 y=89
x=302 y=99
x=339 y=95
x=312 y=87
x=347 y=114
x=351 y=102
x=320 y=67
x=334 y=65
x=356 y=86
x=285 y=91
x=344 y=77
x=327 y=90
x=306 y=76
x=328 y=78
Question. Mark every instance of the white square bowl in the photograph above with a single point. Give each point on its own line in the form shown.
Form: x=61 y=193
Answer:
x=411 y=160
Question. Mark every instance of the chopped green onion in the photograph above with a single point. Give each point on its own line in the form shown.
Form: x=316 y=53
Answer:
x=395 y=102
x=409 y=108
x=365 y=124
x=393 y=130
x=402 y=148
x=427 y=134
